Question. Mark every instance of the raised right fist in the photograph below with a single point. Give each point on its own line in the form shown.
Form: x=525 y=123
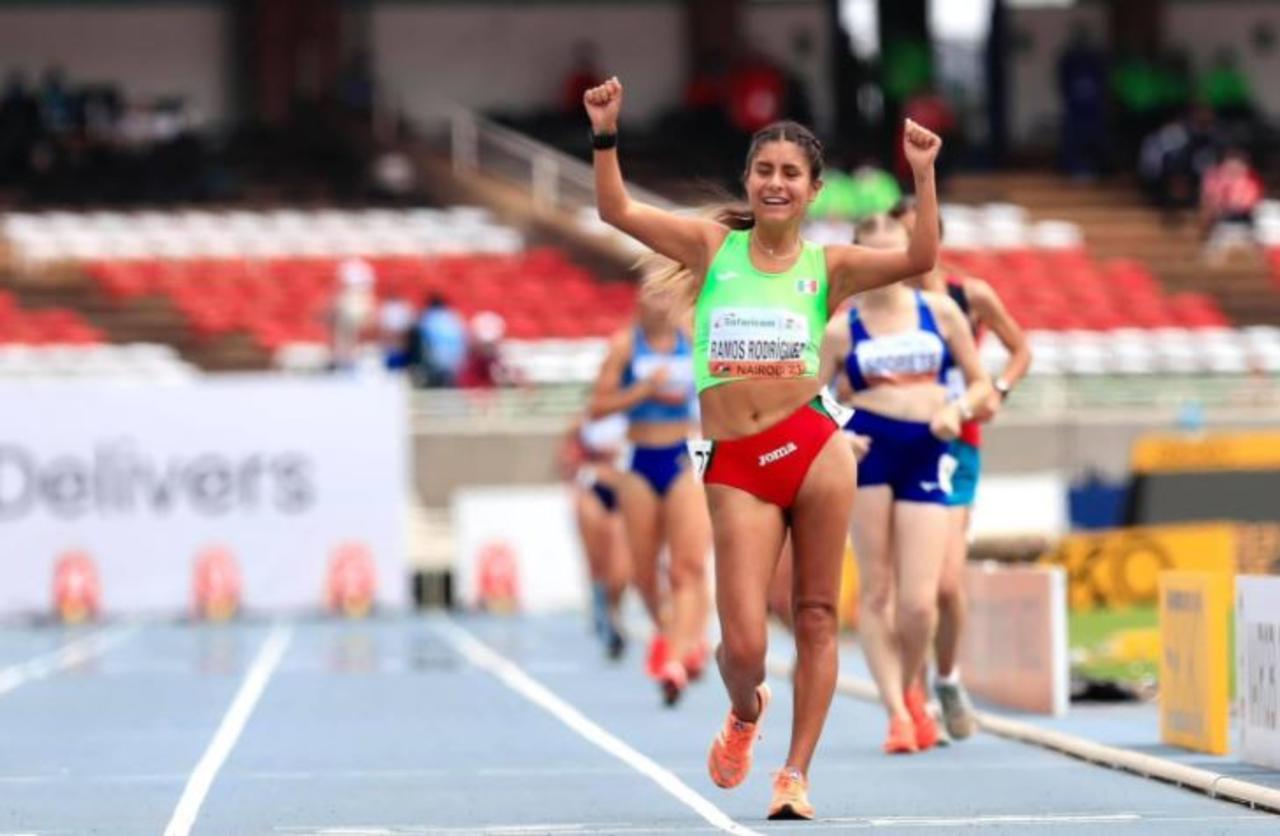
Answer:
x=602 y=104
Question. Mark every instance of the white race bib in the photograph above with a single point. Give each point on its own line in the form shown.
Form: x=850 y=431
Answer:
x=757 y=342
x=699 y=455
x=838 y=411
x=679 y=371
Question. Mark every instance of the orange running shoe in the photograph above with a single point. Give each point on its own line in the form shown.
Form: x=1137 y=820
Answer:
x=730 y=757
x=790 y=795
x=657 y=656
x=902 y=738
x=926 y=727
x=673 y=679
x=695 y=660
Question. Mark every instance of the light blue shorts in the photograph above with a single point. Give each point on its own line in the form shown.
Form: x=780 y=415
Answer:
x=964 y=479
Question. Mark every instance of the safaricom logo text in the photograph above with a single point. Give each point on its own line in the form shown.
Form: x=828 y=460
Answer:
x=118 y=479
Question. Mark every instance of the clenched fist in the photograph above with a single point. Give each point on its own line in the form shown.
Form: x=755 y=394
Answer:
x=603 y=103
x=921 y=146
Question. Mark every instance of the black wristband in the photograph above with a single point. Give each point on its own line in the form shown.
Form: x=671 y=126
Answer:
x=603 y=142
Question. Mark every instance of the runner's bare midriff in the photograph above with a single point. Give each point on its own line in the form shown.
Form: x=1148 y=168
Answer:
x=745 y=407
x=905 y=402
x=658 y=433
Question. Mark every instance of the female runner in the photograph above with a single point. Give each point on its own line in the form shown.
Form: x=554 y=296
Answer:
x=772 y=458
x=894 y=347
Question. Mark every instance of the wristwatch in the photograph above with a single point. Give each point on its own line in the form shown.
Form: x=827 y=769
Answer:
x=604 y=141
x=1002 y=386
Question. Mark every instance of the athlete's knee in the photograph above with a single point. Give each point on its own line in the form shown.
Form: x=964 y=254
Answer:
x=950 y=594
x=917 y=614
x=877 y=599
x=688 y=569
x=645 y=572
x=743 y=651
x=816 y=622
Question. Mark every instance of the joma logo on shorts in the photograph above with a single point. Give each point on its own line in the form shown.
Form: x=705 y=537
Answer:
x=781 y=453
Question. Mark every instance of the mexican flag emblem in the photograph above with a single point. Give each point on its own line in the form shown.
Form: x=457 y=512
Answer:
x=809 y=286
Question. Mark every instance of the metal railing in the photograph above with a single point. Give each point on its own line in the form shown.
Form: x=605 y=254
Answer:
x=555 y=180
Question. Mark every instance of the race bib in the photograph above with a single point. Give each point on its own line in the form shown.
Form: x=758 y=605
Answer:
x=624 y=458
x=757 y=342
x=679 y=371
x=586 y=476
x=838 y=411
x=699 y=455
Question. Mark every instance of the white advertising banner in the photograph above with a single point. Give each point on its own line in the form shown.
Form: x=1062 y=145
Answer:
x=518 y=549
x=1022 y=503
x=1258 y=668
x=282 y=474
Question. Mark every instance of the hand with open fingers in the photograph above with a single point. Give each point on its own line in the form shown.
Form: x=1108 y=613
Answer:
x=603 y=103
x=921 y=146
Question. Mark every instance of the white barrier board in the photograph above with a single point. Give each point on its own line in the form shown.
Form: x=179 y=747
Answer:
x=518 y=549
x=1258 y=668
x=1013 y=651
x=280 y=472
x=1022 y=503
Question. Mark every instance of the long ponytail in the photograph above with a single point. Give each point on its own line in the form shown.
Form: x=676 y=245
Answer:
x=669 y=281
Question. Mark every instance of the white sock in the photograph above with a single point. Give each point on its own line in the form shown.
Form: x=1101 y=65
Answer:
x=952 y=678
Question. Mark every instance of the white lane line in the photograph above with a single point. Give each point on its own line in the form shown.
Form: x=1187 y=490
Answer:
x=989 y=821
x=68 y=656
x=233 y=723
x=842 y=825
x=480 y=655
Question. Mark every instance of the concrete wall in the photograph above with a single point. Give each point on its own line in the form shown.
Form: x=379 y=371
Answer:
x=1070 y=446
x=513 y=57
x=149 y=49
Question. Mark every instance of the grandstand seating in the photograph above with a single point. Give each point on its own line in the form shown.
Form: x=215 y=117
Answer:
x=135 y=361
x=51 y=326
x=272 y=275
x=1090 y=316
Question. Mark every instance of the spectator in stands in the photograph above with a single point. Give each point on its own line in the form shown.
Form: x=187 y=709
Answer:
x=352 y=316
x=19 y=127
x=796 y=95
x=395 y=322
x=705 y=94
x=1225 y=88
x=1139 y=97
x=1082 y=84
x=483 y=368
x=1229 y=194
x=56 y=103
x=1174 y=159
x=356 y=91
x=930 y=109
x=442 y=344
x=582 y=76
x=757 y=92
x=393 y=178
